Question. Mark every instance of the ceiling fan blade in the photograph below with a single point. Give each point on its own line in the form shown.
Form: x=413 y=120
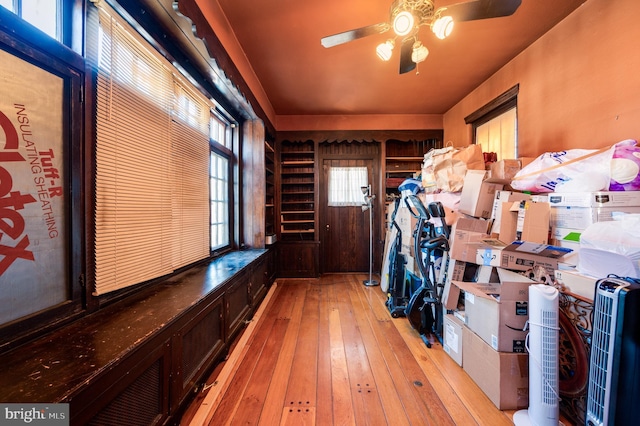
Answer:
x=482 y=9
x=347 y=36
x=406 y=64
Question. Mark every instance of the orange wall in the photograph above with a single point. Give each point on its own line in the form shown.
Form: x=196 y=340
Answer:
x=579 y=83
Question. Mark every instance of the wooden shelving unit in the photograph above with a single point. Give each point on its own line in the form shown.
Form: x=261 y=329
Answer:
x=403 y=159
x=297 y=191
x=270 y=192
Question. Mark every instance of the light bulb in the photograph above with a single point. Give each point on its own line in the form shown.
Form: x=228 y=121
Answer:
x=442 y=27
x=385 y=49
x=420 y=52
x=403 y=23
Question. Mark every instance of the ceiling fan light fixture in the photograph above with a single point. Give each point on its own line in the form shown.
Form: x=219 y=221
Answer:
x=420 y=52
x=384 y=50
x=403 y=23
x=442 y=27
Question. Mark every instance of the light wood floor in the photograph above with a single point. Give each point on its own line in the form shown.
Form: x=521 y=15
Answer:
x=326 y=351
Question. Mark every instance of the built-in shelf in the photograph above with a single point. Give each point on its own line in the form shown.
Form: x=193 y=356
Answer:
x=270 y=192
x=403 y=159
x=297 y=191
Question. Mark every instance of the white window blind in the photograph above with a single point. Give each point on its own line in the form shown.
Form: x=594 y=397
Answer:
x=499 y=135
x=151 y=170
x=190 y=175
x=345 y=185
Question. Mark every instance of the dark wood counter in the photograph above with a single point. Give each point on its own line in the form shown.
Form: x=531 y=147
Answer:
x=64 y=365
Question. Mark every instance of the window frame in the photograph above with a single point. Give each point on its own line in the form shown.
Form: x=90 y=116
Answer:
x=225 y=149
x=18 y=38
x=498 y=106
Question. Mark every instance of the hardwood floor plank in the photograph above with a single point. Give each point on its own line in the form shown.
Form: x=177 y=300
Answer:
x=302 y=386
x=433 y=386
x=211 y=399
x=343 y=410
x=252 y=402
x=366 y=398
x=299 y=417
x=327 y=352
x=399 y=381
x=275 y=397
x=393 y=409
x=472 y=399
x=324 y=398
x=228 y=405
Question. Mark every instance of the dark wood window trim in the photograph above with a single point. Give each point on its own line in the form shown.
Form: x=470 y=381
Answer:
x=499 y=105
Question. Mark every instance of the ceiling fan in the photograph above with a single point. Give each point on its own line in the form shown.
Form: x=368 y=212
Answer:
x=407 y=16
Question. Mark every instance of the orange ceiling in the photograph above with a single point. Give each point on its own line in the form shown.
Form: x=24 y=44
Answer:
x=281 y=40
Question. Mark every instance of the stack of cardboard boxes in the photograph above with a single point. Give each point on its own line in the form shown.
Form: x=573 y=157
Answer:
x=500 y=235
x=503 y=241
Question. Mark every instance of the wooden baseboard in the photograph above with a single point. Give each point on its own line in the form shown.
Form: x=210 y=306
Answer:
x=207 y=408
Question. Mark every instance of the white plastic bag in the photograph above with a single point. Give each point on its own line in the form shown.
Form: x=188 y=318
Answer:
x=573 y=170
x=620 y=236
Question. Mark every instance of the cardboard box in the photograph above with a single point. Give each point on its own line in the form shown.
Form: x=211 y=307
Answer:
x=458 y=271
x=502 y=376
x=497 y=312
x=503 y=197
x=521 y=256
x=476 y=198
x=577 y=283
x=465 y=232
x=596 y=199
x=583 y=217
x=452 y=337
x=525 y=221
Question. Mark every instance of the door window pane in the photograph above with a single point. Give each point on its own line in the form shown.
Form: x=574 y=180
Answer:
x=345 y=185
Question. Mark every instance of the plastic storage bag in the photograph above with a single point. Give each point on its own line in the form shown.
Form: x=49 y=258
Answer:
x=620 y=237
x=574 y=170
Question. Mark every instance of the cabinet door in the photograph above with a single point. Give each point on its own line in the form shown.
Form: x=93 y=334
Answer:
x=238 y=304
x=298 y=260
x=259 y=282
x=196 y=346
x=137 y=389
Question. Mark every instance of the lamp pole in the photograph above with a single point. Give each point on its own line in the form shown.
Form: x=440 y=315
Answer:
x=369 y=206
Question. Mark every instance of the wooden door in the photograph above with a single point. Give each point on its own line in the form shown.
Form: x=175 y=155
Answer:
x=344 y=231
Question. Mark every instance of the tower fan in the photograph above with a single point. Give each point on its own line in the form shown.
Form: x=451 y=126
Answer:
x=542 y=344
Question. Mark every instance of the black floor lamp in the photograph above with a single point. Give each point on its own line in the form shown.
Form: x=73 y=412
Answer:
x=368 y=205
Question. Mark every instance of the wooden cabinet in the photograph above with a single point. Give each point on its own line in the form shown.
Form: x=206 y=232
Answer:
x=297 y=191
x=403 y=159
x=297 y=260
x=139 y=360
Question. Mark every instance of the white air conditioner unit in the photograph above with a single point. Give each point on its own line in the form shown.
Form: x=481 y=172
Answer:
x=542 y=343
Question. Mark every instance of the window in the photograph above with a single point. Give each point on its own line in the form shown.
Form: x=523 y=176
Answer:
x=345 y=185
x=222 y=134
x=162 y=197
x=219 y=198
x=495 y=125
x=221 y=130
x=41 y=187
x=39 y=13
x=499 y=135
